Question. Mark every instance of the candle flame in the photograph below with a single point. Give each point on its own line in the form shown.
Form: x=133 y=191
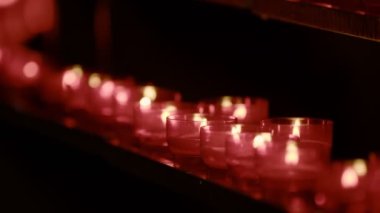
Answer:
x=360 y=167
x=166 y=112
x=291 y=153
x=71 y=78
x=226 y=102
x=31 y=69
x=296 y=128
x=107 y=89
x=121 y=95
x=261 y=142
x=240 y=112
x=349 y=178
x=145 y=102
x=203 y=120
x=235 y=132
x=94 y=81
x=150 y=92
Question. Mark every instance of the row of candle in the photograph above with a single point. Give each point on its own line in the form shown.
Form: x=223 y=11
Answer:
x=230 y=135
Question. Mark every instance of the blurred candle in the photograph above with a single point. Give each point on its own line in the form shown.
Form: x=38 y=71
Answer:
x=183 y=131
x=242 y=147
x=343 y=186
x=246 y=110
x=300 y=149
x=20 y=69
x=150 y=120
x=123 y=109
x=68 y=88
x=213 y=145
x=102 y=91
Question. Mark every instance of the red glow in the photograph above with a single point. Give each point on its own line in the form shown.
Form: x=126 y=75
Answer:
x=6 y=3
x=1 y=55
x=70 y=79
x=107 y=89
x=349 y=178
x=31 y=69
x=121 y=96
x=320 y=199
x=70 y=122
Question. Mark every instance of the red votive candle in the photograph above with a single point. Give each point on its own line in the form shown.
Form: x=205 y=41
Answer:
x=245 y=109
x=150 y=120
x=124 y=101
x=68 y=88
x=300 y=148
x=183 y=131
x=20 y=68
x=213 y=145
x=242 y=146
x=343 y=187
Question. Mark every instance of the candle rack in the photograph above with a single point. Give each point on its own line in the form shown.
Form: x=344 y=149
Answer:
x=17 y=111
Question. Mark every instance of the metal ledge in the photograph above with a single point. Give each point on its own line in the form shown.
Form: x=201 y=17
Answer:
x=358 y=24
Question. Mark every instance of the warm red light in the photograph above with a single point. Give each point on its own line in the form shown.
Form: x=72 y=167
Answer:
x=6 y=3
x=70 y=79
x=1 y=55
x=320 y=199
x=31 y=69
x=240 y=112
x=349 y=178
x=291 y=153
x=122 y=96
x=107 y=89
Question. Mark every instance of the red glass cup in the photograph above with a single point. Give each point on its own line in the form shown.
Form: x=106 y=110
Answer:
x=342 y=187
x=213 y=145
x=300 y=148
x=183 y=137
x=150 y=120
x=298 y=152
x=183 y=131
x=20 y=69
x=242 y=146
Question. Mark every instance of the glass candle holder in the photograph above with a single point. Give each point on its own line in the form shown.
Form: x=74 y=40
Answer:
x=124 y=101
x=299 y=150
x=20 y=68
x=183 y=131
x=101 y=95
x=68 y=88
x=213 y=145
x=245 y=109
x=342 y=187
x=242 y=147
x=150 y=120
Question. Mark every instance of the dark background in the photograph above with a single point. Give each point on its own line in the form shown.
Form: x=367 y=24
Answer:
x=202 y=50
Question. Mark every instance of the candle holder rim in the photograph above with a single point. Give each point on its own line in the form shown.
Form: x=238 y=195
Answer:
x=245 y=128
x=184 y=117
x=218 y=100
x=310 y=121
x=159 y=105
